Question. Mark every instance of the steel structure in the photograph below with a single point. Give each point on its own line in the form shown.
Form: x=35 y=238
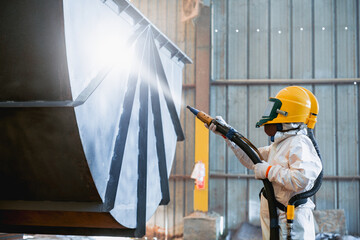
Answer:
x=89 y=117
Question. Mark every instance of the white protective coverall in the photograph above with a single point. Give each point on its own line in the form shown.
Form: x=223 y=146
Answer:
x=295 y=167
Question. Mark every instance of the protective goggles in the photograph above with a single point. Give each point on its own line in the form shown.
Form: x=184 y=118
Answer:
x=271 y=112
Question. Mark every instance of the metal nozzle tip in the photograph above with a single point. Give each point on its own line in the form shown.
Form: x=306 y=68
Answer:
x=193 y=110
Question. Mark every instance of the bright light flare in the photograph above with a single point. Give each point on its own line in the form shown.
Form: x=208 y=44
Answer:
x=110 y=48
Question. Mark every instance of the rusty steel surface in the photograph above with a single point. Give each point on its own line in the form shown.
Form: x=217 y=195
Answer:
x=42 y=157
x=59 y=219
x=33 y=52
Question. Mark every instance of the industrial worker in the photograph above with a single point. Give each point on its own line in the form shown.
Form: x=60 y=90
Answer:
x=291 y=162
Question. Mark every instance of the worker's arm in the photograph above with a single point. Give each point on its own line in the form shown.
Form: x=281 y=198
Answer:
x=240 y=154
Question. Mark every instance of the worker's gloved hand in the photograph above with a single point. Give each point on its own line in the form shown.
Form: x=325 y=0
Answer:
x=212 y=126
x=261 y=170
x=241 y=155
x=221 y=120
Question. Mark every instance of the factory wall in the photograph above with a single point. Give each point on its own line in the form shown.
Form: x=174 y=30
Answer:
x=310 y=43
x=259 y=47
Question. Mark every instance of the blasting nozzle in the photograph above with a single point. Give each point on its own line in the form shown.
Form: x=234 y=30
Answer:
x=201 y=115
x=193 y=110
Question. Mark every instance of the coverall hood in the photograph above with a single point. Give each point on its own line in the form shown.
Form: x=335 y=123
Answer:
x=290 y=129
x=285 y=130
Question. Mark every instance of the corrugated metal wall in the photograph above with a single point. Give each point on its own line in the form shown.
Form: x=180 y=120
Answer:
x=286 y=39
x=166 y=15
x=299 y=40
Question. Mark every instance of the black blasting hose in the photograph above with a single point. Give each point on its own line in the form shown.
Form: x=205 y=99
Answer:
x=254 y=155
x=307 y=194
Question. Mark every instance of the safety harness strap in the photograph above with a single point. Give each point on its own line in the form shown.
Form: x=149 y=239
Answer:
x=281 y=206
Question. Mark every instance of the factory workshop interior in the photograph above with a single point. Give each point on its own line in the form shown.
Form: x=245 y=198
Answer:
x=180 y=119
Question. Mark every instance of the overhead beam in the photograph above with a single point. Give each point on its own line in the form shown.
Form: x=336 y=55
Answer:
x=285 y=81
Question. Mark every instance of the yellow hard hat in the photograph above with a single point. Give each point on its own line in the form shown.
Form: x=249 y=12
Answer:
x=291 y=104
x=314 y=110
